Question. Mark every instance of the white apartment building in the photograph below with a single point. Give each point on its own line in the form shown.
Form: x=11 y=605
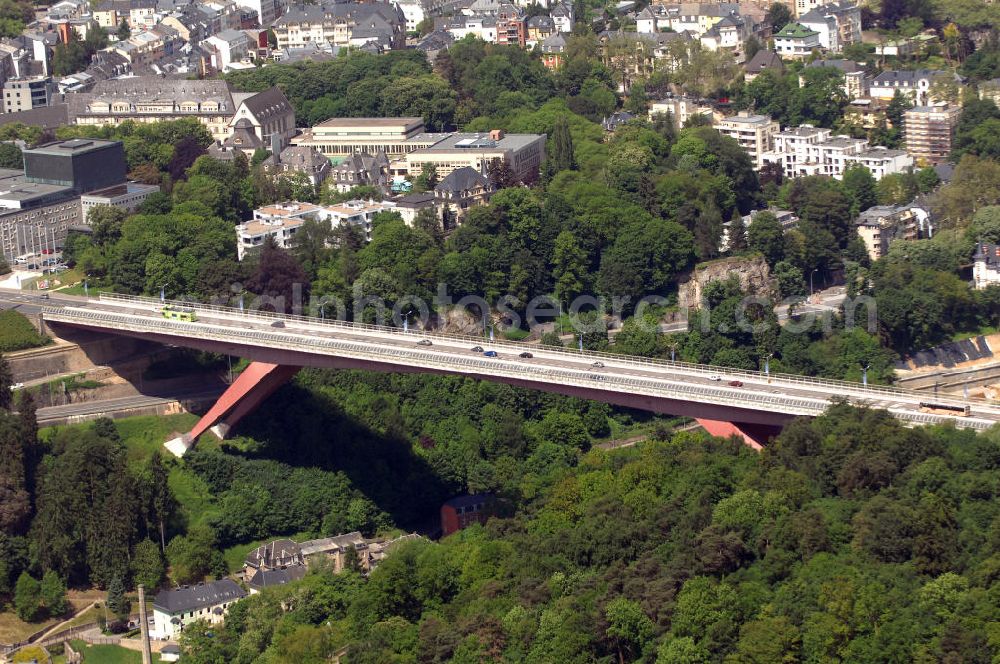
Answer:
x=808 y=150
x=754 y=133
x=681 y=109
x=282 y=221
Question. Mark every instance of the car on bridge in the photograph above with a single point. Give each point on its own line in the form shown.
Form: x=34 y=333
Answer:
x=597 y=365
x=477 y=349
x=736 y=383
x=425 y=342
x=526 y=355
x=490 y=353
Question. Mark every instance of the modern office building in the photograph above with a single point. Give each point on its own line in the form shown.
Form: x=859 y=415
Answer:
x=83 y=164
x=340 y=137
x=523 y=153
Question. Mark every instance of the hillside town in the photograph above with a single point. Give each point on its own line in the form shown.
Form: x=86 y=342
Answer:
x=499 y=331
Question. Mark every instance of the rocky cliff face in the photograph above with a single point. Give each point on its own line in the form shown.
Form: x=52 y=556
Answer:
x=753 y=273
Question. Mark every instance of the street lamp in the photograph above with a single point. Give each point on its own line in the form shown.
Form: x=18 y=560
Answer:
x=864 y=374
x=767 y=367
x=673 y=351
x=815 y=270
x=163 y=293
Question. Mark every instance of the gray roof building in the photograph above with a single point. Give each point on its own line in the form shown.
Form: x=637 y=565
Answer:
x=201 y=596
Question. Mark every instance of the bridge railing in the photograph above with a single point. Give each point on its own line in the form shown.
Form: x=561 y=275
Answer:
x=868 y=391
x=717 y=394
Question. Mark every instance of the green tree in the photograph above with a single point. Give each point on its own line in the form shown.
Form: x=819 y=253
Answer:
x=766 y=236
x=124 y=32
x=568 y=267
x=117 y=602
x=683 y=650
x=52 y=591
x=561 y=155
x=147 y=565
x=11 y=156
x=27 y=598
x=859 y=184
x=628 y=626
x=778 y=16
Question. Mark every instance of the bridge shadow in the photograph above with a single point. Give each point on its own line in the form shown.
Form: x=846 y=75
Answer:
x=306 y=428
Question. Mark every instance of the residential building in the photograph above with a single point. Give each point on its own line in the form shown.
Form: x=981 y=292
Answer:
x=282 y=221
x=636 y=55
x=552 y=51
x=228 y=46
x=914 y=84
x=342 y=24
x=855 y=79
x=345 y=136
x=692 y=17
x=410 y=205
x=137 y=14
x=866 y=113
x=786 y=218
x=838 y=24
x=174 y=609
x=791 y=149
x=511 y=27
x=615 y=120
x=414 y=13
x=435 y=42
x=754 y=133
x=361 y=169
x=882 y=225
x=267 y=10
x=463 y=511
x=986 y=265
x=762 y=60
x=929 y=131
x=882 y=161
x=539 y=28
x=990 y=90
x=796 y=41
x=462 y=189
x=24 y=94
x=562 y=16
x=681 y=109
x=279 y=221
x=304 y=160
x=242 y=139
x=460 y=27
x=127 y=196
x=523 y=153
x=275 y=577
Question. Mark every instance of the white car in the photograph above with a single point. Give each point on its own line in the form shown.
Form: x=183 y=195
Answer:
x=716 y=378
x=17 y=386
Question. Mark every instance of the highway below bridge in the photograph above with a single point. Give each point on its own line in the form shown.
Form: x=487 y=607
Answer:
x=725 y=401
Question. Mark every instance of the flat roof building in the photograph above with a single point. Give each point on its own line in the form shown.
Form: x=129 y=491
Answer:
x=929 y=131
x=524 y=153
x=340 y=137
x=754 y=133
x=83 y=164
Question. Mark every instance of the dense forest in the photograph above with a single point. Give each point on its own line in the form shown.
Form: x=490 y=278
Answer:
x=850 y=538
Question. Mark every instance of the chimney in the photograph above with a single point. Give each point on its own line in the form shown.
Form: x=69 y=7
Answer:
x=147 y=655
x=496 y=134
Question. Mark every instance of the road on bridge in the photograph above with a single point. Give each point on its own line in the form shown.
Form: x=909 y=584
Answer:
x=627 y=380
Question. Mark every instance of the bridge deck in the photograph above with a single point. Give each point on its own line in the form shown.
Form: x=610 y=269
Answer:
x=658 y=385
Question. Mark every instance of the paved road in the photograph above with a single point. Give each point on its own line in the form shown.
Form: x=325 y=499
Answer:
x=107 y=406
x=786 y=395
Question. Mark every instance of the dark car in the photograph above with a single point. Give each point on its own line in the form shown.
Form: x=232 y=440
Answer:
x=736 y=383
x=425 y=342
x=526 y=355
x=490 y=353
x=477 y=349
x=278 y=323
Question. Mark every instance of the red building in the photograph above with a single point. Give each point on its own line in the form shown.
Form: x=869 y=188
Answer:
x=463 y=511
